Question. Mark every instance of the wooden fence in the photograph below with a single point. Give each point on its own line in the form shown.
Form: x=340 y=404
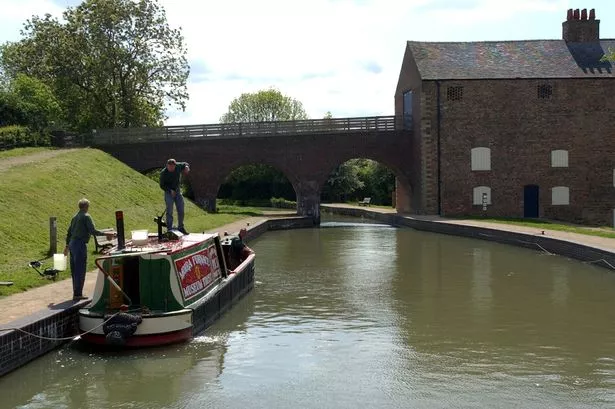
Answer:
x=246 y=129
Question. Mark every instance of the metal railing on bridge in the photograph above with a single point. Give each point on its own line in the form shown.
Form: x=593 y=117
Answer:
x=246 y=129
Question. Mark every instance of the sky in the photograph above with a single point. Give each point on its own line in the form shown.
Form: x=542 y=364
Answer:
x=341 y=56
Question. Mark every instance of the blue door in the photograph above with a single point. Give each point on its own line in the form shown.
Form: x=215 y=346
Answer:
x=408 y=109
x=530 y=201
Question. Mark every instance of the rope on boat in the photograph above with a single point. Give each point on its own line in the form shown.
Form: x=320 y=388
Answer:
x=64 y=338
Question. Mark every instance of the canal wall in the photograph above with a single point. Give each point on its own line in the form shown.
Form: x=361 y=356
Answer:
x=566 y=248
x=18 y=348
x=59 y=324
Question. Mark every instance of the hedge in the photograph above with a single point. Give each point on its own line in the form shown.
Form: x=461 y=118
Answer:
x=16 y=136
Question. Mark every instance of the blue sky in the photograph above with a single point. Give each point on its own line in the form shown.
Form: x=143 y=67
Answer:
x=342 y=56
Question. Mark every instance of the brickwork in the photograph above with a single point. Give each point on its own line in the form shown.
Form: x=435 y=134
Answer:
x=17 y=348
x=307 y=161
x=521 y=130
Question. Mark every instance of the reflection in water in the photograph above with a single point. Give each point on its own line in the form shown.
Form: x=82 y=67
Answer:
x=560 y=292
x=366 y=315
x=481 y=281
x=491 y=315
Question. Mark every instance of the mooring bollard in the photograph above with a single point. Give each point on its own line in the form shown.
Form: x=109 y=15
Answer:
x=119 y=227
x=53 y=235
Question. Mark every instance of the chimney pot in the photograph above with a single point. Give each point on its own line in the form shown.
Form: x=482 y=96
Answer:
x=579 y=29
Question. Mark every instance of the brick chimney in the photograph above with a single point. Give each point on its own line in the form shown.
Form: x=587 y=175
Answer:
x=578 y=28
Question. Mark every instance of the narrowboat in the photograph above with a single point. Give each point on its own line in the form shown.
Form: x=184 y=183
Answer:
x=162 y=289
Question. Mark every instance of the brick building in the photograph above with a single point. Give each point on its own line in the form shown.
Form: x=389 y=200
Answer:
x=526 y=126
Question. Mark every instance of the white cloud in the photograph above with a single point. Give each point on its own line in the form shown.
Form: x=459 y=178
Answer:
x=341 y=56
x=320 y=51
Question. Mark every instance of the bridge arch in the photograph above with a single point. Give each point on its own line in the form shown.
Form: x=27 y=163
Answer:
x=207 y=180
x=405 y=198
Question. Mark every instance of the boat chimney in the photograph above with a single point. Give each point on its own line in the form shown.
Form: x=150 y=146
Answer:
x=119 y=227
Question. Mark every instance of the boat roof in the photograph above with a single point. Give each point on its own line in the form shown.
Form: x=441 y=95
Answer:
x=154 y=246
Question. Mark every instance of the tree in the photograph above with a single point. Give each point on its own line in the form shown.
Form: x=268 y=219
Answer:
x=260 y=181
x=609 y=55
x=27 y=101
x=265 y=105
x=343 y=181
x=328 y=115
x=110 y=63
x=358 y=178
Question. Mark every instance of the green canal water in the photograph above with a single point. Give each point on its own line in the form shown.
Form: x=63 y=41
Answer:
x=368 y=316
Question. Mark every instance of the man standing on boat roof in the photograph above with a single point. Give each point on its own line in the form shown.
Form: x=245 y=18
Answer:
x=79 y=231
x=170 y=178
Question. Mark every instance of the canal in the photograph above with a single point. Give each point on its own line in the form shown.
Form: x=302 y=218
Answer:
x=363 y=315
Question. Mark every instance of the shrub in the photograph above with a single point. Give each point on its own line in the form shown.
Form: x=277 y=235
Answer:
x=16 y=136
x=282 y=203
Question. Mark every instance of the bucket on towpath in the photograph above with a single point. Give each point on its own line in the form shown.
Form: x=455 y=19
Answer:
x=59 y=262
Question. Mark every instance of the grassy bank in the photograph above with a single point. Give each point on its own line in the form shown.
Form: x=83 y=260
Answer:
x=31 y=193
x=548 y=225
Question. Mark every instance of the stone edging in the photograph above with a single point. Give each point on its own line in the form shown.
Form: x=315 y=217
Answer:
x=566 y=248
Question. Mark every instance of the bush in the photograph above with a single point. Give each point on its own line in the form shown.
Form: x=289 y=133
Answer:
x=273 y=202
x=282 y=203
x=16 y=136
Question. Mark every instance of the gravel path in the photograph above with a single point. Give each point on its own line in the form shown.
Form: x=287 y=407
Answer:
x=12 y=161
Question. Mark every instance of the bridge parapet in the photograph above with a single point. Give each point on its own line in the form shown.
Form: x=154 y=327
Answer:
x=247 y=129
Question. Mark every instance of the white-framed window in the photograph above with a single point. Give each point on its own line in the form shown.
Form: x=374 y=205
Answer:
x=559 y=158
x=560 y=196
x=478 y=195
x=481 y=158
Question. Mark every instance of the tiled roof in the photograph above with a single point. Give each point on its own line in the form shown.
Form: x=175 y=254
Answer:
x=512 y=59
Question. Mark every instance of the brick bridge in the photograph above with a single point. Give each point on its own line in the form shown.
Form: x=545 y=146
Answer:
x=305 y=151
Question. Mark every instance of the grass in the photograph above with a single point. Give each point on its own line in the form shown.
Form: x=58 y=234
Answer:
x=33 y=193
x=548 y=225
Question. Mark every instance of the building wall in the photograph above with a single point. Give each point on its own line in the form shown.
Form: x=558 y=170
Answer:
x=521 y=130
x=421 y=157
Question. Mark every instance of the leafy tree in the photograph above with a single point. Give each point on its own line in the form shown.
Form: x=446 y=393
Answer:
x=379 y=182
x=328 y=115
x=609 y=55
x=256 y=182
x=359 y=178
x=343 y=181
x=264 y=105
x=260 y=181
x=29 y=102
x=110 y=63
